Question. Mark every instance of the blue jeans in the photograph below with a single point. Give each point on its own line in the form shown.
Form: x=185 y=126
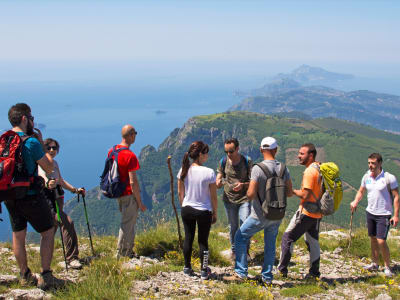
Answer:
x=237 y=214
x=249 y=228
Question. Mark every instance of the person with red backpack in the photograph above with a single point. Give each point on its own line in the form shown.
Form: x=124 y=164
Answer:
x=22 y=148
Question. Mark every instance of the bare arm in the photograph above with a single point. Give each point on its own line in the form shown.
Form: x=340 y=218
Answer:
x=303 y=194
x=357 y=199
x=181 y=191
x=252 y=190
x=133 y=181
x=46 y=163
x=219 y=182
x=395 y=219
x=214 y=201
x=289 y=188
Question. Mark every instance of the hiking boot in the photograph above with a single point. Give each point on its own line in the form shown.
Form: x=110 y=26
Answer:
x=266 y=281
x=283 y=274
x=206 y=273
x=188 y=271
x=28 y=279
x=48 y=281
x=234 y=278
x=388 y=272
x=75 y=264
x=371 y=267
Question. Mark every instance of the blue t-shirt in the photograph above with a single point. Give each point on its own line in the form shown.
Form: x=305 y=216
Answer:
x=31 y=153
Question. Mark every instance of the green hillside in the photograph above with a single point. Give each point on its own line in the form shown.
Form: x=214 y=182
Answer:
x=346 y=143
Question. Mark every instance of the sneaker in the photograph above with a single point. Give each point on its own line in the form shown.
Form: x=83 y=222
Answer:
x=371 y=267
x=75 y=264
x=28 y=279
x=48 y=281
x=388 y=272
x=205 y=274
x=188 y=271
x=284 y=274
x=266 y=281
x=234 y=278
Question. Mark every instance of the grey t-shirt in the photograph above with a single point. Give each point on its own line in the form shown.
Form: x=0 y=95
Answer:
x=258 y=175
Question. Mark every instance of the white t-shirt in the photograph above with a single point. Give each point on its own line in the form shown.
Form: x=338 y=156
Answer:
x=197 y=187
x=379 y=200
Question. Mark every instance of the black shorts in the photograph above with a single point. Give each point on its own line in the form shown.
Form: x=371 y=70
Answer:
x=378 y=226
x=33 y=209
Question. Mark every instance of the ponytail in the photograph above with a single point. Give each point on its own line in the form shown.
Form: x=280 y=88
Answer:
x=185 y=165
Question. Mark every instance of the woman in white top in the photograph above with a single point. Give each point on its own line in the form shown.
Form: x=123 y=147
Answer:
x=55 y=193
x=197 y=192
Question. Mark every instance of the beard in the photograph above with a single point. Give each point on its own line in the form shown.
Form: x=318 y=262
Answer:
x=29 y=129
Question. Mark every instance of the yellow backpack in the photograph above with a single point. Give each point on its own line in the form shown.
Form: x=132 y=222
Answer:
x=332 y=195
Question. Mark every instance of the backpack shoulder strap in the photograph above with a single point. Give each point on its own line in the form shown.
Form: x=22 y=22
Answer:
x=265 y=170
x=282 y=170
x=222 y=162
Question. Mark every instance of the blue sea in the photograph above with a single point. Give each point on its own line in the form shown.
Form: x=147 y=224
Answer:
x=86 y=116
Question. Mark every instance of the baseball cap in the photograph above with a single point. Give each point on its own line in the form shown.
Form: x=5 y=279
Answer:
x=268 y=143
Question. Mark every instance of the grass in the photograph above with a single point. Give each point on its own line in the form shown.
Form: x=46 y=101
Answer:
x=244 y=291
x=300 y=290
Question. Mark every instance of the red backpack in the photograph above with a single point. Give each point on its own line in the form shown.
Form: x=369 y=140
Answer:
x=14 y=179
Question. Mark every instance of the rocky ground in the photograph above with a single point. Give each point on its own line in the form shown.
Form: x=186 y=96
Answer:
x=342 y=277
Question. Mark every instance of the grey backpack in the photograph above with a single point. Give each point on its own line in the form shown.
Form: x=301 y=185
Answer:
x=274 y=203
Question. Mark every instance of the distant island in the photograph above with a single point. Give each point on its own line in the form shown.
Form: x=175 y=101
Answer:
x=160 y=112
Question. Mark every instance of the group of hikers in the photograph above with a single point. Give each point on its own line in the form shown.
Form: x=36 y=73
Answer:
x=34 y=193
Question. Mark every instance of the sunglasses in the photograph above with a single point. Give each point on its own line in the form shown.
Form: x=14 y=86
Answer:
x=52 y=147
x=230 y=151
x=32 y=118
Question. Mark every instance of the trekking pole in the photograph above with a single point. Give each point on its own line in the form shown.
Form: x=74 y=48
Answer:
x=87 y=221
x=173 y=201
x=62 y=239
x=346 y=254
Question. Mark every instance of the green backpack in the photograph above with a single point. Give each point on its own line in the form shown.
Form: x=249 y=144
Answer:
x=332 y=195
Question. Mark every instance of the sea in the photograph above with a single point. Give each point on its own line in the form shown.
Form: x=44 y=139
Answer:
x=86 y=116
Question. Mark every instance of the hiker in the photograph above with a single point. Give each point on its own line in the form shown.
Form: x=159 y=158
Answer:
x=130 y=202
x=257 y=220
x=304 y=221
x=33 y=207
x=197 y=193
x=382 y=189
x=234 y=175
x=54 y=185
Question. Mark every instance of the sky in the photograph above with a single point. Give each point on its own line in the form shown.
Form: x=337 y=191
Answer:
x=361 y=34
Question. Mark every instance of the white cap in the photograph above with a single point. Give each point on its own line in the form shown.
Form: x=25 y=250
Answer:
x=268 y=143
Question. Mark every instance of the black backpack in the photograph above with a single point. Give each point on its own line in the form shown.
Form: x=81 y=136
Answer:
x=110 y=184
x=274 y=203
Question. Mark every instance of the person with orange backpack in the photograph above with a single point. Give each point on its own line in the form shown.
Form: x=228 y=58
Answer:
x=21 y=151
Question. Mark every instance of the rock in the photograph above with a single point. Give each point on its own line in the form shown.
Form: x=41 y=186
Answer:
x=35 y=248
x=4 y=250
x=226 y=253
x=335 y=234
x=383 y=297
x=8 y=279
x=224 y=234
x=32 y=294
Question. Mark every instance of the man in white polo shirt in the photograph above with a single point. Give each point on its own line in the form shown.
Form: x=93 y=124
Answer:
x=381 y=187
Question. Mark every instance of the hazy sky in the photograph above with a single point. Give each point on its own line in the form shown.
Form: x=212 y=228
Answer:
x=358 y=32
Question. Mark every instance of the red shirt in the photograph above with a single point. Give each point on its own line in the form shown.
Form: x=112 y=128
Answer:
x=127 y=162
